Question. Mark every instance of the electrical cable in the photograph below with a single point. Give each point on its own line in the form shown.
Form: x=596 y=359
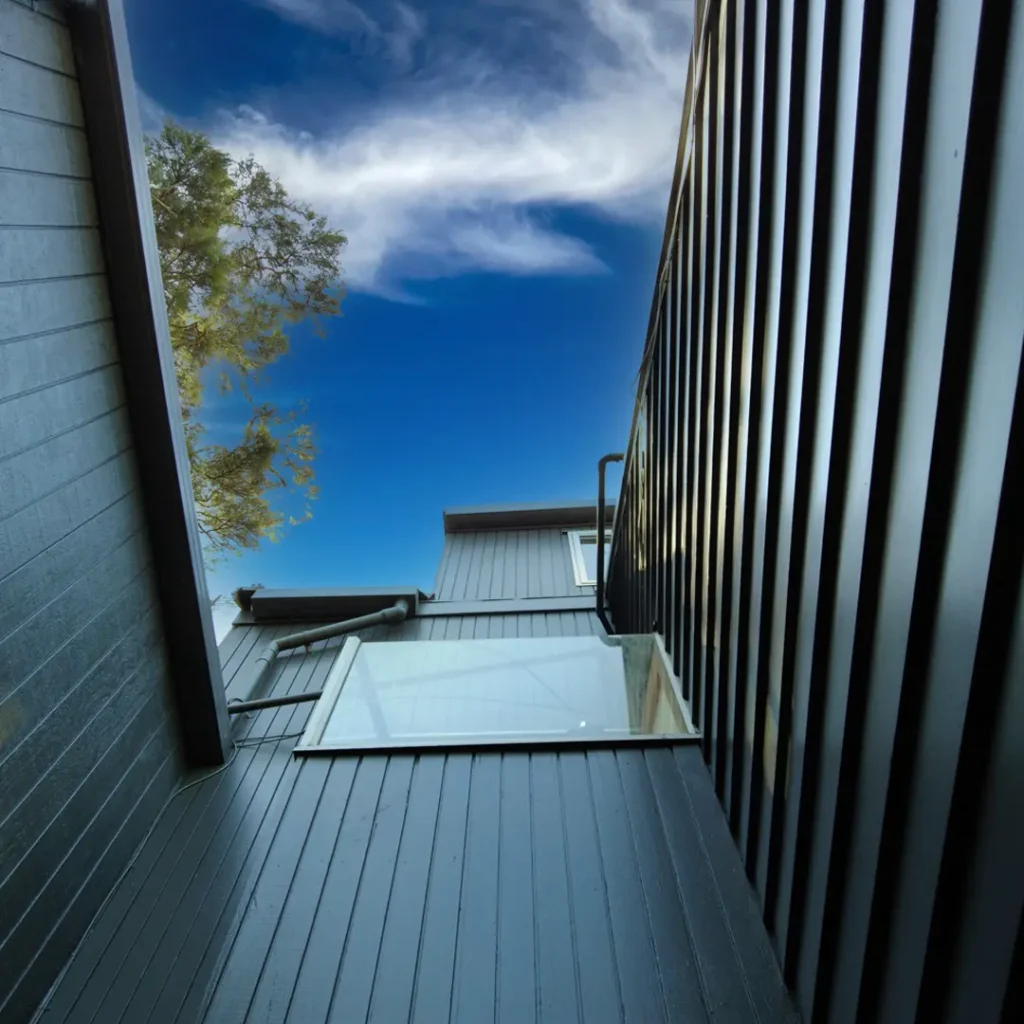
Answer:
x=209 y=775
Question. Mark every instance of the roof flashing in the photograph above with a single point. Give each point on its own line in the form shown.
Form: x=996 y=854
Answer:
x=324 y=605
x=523 y=516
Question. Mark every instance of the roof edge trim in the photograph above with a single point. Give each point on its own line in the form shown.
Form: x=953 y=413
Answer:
x=325 y=604
x=468 y=518
x=121 y=184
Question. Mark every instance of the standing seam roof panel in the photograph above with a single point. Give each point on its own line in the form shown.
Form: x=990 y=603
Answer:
x=382 y=887
x=502 y=564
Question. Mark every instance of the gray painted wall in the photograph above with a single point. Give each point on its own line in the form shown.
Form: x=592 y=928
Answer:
x=492 y=564
x=526 y=886
x=88 y=735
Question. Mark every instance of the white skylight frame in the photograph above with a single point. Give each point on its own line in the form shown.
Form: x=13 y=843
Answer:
x=577 y=538
x=314 y=741
x=317 y=721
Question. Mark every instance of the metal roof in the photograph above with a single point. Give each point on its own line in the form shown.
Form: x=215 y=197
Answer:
x=535 y=886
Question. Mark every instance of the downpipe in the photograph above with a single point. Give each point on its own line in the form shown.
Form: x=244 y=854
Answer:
x=601 y=467
x=264 y=663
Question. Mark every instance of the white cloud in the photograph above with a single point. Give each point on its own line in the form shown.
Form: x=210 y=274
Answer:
x=323 y=15
x=393 y=32
x=449 y=170
x=514 y=243
x=408 y=29
x=151 y=115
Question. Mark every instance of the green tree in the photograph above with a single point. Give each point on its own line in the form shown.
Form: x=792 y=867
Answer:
x=241 y=263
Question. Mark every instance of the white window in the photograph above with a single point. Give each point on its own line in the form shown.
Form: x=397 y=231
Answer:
x=583 y=549
x=471 y=692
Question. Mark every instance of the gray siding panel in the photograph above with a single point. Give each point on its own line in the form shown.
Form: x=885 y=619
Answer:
x=41 y=146
x=38 y=416
x=501 y=564
x=89 y=747
x=42 y=306
x=39 y=201
x=117 y=831
x=46 y=711
x=44 y=578
x=24 y=34
x=59 y=623
x=33 y=911
x=37 y=362
x=51 y=252
x=52 y=464
x=87 y=770
x=525 y=886
x=34 y=91
x=32 y=530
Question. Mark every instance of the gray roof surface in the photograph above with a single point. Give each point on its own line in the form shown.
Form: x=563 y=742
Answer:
x=520 y=886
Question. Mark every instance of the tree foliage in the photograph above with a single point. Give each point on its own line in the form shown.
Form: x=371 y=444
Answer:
x=242 y=262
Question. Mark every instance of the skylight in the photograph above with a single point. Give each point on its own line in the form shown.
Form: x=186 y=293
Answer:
x=472 y=692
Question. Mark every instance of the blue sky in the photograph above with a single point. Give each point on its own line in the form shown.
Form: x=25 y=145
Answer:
x=501 y=169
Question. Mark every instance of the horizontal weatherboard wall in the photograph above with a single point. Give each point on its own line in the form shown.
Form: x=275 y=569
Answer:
x=88 y=731
x=822 y=500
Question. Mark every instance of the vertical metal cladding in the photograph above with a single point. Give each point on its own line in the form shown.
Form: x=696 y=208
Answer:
x=483 y=565
x=823 y=497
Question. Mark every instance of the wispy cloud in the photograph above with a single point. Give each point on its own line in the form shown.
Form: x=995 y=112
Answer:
x=323 y=15
x=391 y=31
x=407 y=29
x=151 y=114
x=454 y=167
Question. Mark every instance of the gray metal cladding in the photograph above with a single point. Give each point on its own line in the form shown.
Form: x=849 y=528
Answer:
x=519 y=886
x=88 y=735
x=490 y=564
x=822 y=499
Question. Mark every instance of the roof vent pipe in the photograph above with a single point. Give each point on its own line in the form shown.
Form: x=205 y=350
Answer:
x=264 y=663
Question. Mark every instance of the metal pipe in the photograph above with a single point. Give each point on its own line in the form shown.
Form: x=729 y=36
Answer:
x=239 y=707
x=396 y=613
x=602 y=465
